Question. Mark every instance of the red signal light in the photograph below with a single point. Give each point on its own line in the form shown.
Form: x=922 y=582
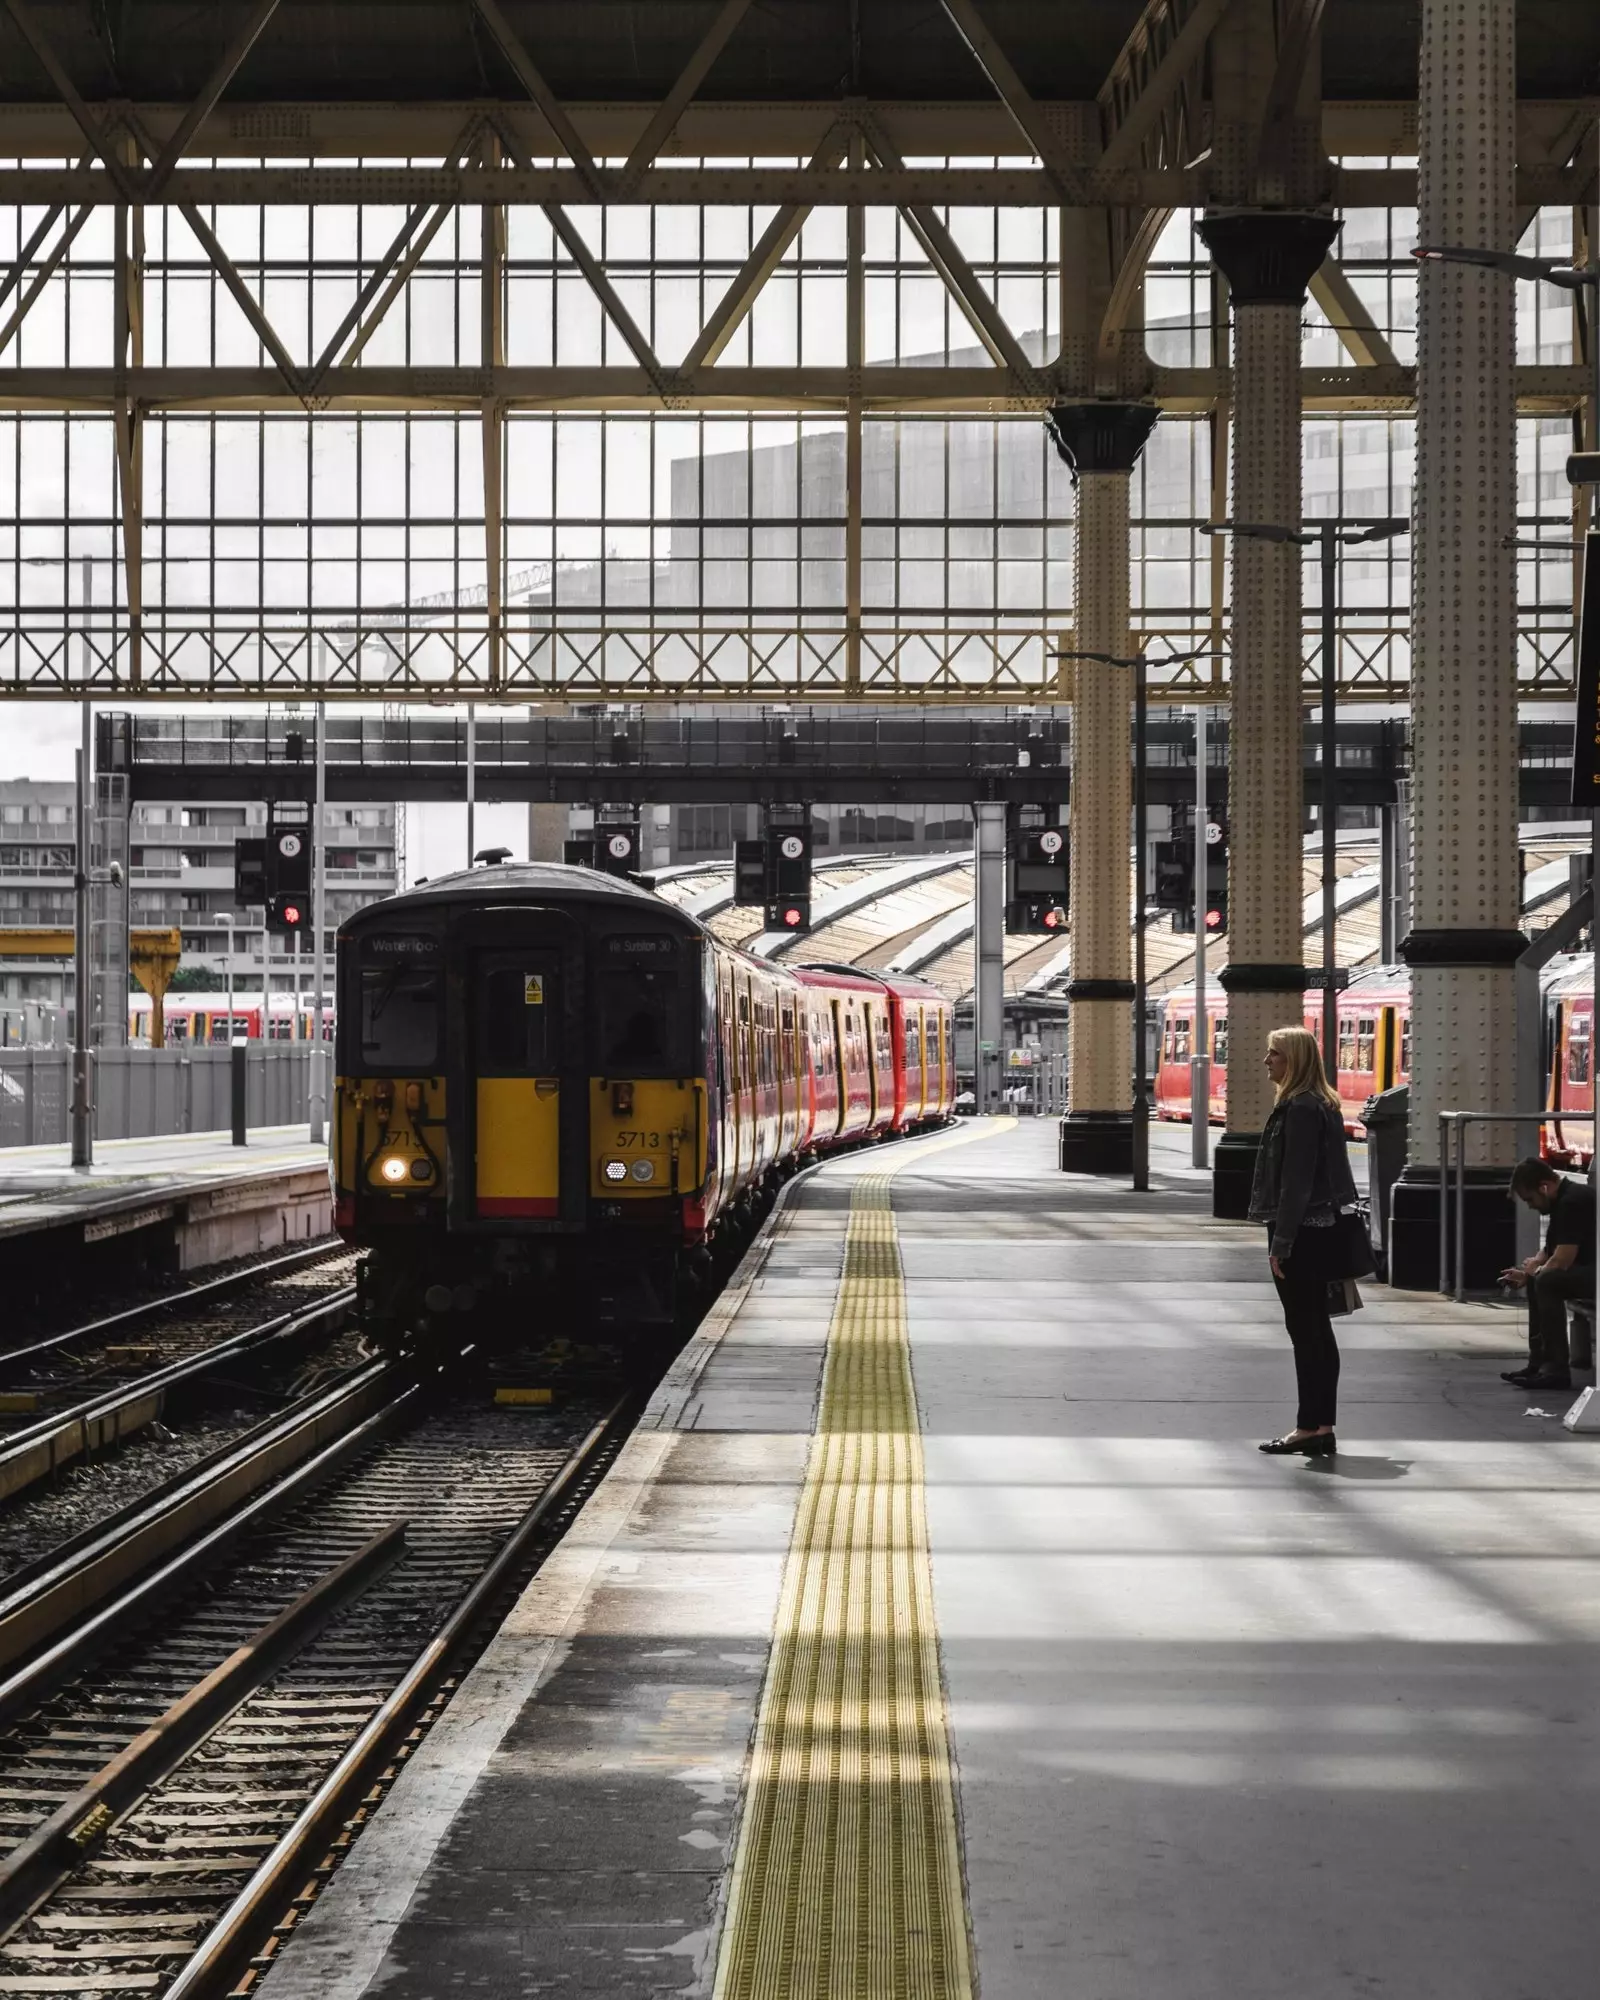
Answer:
x=1213 y=920
x=791 y=918
x=1053 y=920
x=291 y=913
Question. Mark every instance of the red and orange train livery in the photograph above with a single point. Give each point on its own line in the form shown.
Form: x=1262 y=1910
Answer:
x=560 y=1094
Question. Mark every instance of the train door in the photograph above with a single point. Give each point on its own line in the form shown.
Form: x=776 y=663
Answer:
x=841 y=1065
x=869 y=1029
x=517 y=1052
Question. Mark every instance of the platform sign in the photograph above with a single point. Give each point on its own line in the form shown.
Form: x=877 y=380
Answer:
x=1319 y=978
x=1586 y=727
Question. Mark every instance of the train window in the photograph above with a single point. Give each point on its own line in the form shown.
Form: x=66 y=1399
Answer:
x=400 y=1011
x=1367 y=1045
x=518 y=1022
x=639 y=1019
x=1181 y=1030
x=1347 y=1043
x=1219 y=1045
x=1405 y=1046
x=1578 y=1049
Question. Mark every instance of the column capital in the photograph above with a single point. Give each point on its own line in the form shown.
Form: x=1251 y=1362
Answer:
x=1268 y=256
x=1101 y=436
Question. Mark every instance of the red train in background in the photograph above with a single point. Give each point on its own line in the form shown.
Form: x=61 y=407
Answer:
x=1375 y=1049
x=1374 y=1043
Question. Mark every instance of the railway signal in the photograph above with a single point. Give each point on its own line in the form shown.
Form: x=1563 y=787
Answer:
x=1038 y=869
x=288 y=914
x=613 y=848
x=774 y=872
x=1216 y=877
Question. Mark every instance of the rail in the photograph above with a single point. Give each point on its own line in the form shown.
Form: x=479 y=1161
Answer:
x=1454 y=1124
x=224 y=1954
x=83 y=1428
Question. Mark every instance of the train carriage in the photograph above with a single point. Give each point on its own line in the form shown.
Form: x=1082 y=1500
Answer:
x=558 y=1088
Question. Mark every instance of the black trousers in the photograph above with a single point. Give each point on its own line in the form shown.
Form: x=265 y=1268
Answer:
x=1548 y=1293
x=1303 y=1291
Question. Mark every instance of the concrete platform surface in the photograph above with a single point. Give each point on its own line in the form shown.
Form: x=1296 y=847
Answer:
x=1224 y=1726
x=186 y=1179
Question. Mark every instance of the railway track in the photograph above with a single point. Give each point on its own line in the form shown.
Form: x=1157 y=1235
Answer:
x=83 y=1391
x=178 y=1759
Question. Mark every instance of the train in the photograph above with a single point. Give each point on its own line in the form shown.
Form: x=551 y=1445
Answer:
x=204 y=1017
x=558 y=1094
x=1374 y=1050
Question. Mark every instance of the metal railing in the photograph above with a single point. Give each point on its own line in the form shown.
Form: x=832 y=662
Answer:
x=1454 y=1283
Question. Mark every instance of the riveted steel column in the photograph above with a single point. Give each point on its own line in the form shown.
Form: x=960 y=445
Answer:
x=989 y=957
x=1465 y=904
x=1268 y=259
x=1103 y=442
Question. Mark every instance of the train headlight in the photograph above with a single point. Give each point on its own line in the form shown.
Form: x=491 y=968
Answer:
x=616 y=1170
x=643 y=1170
x=393 y=1167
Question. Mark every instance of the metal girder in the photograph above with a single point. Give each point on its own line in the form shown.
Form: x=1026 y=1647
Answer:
x=557 y=655
x=664 y=120
x=43 y=275
x=243 y=42
x=1065 y=176
x=957 y=275
x=549 y=105
x=1157 y=59
x=98 y=136
x=881 y=388
x=728 y=186
x=388 y=277
x=766 y=255
x=1359 y=333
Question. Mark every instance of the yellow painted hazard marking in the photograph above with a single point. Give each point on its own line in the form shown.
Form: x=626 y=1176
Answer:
x=524 y=1395
x=847 y=1878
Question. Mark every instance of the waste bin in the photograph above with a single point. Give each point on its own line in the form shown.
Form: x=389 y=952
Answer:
x=1385 y=1119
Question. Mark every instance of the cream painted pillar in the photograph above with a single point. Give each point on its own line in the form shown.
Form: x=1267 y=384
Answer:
x=1465 y=892
x=1268 y=258
x=1103 y=442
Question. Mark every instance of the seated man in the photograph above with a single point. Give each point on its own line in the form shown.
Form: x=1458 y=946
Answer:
x=1563 y=1270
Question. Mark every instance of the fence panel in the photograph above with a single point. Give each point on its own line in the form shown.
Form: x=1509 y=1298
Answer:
x=151 y=1093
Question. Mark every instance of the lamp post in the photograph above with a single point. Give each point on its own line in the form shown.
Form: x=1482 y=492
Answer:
x=1583 y=469
x=1328 y=535
x=1141 y=842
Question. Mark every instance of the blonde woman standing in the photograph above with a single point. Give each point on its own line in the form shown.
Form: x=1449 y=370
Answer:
x=1302 y=1181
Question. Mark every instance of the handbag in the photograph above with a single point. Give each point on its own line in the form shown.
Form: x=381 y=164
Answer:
x=1344 y=1297
x=1350 y=1253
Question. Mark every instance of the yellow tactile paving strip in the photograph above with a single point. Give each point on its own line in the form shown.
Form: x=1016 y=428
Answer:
x=847 y=1878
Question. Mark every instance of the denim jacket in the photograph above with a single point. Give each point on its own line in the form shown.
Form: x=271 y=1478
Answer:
x=1302 y=1171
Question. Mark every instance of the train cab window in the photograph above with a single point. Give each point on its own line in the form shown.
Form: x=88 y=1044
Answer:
x=518 y=1022
x=401 y=999
x=639 y=1008
x=1578 y=1029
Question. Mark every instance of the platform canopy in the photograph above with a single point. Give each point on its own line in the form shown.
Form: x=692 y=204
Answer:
x=511 y=350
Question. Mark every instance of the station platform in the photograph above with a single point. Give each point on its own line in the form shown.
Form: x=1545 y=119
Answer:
x=942 y=1630
x=207 y=1198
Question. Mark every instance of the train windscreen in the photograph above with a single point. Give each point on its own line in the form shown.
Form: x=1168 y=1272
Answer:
x=639 y=1008
x=401 y=995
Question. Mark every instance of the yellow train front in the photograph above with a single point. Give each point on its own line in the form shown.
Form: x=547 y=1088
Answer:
x=521 y=1116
